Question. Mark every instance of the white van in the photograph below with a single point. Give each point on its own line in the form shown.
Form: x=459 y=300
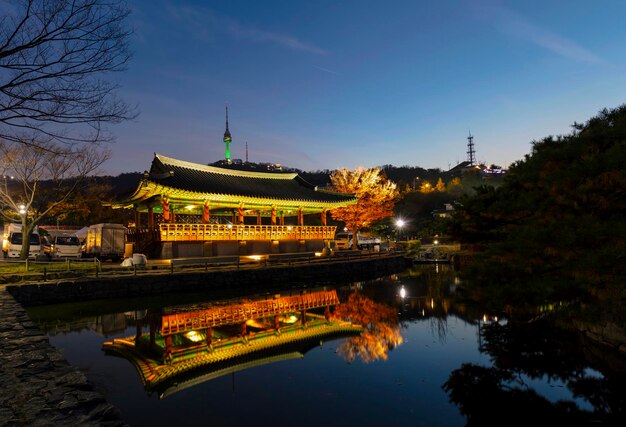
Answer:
x=12 y=241
x=62 y=246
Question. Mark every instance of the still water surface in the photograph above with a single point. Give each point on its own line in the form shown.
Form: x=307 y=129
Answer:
x=395 y=378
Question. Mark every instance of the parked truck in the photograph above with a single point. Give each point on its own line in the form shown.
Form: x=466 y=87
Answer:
x=105 y=241
x=343 y=240
x=12 y=241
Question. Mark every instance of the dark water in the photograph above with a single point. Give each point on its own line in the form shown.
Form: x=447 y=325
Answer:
x=393 y=376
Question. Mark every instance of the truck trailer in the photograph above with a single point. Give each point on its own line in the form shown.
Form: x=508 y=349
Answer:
x=105 y=241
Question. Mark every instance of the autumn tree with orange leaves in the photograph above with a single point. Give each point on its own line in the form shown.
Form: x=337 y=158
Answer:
x=381 y=329
x=375 y=193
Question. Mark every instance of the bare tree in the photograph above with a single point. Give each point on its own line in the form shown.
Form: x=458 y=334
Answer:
x=34 y=180
x=54 y=55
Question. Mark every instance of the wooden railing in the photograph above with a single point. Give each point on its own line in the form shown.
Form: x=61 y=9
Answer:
x=209 y=232
x=177 y=323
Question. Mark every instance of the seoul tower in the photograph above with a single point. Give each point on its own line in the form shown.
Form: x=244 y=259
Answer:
x=227 y=138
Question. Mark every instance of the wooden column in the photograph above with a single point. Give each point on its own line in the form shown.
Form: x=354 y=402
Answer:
x=206 y=213
x=150 y=217
x=240 y=214
x=234 y=219
x=137 y=218
x=168 y=345
x=300 y=217
x=303 y=318
x=244 y=329
x=167 y=216
x=258 y=218
x=324 y=217
x=273 y=215
x=209 y=337
x=327 y=313
x=276 y=324
x=138 y=326
x=282 y=217
x=152 y=331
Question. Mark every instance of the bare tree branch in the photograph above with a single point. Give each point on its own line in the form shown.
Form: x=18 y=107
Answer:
x=42 y=178
x=54 y=58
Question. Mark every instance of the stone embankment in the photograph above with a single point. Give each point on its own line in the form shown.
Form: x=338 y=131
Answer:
x=198 y=281
x=37 y=386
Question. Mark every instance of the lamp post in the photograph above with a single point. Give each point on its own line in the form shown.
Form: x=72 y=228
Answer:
x=400 y=223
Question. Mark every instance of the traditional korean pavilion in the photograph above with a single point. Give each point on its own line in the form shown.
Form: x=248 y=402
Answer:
x=187 y=346
x=187 y=209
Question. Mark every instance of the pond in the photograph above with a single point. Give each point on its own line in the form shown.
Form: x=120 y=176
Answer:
x=404 y=351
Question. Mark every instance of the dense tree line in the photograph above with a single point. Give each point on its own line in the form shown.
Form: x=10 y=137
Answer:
x=556 y=226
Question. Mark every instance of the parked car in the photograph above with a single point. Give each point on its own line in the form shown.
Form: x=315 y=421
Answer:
x=61 y=246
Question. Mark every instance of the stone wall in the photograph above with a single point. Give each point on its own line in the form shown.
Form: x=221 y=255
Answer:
x=254 y=278
x=37 y=386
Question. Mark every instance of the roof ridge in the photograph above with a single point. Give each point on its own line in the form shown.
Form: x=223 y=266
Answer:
x=214 y=169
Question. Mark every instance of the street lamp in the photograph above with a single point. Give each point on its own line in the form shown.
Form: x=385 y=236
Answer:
x=400 y=223
x=22 y=210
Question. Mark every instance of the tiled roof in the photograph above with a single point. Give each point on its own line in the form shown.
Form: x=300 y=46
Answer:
x=199 y=178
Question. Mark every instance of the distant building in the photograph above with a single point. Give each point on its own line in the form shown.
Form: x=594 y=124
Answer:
x=444 y=213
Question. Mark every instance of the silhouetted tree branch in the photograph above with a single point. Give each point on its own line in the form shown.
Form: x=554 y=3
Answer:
x=41 y=179
x=54 y=55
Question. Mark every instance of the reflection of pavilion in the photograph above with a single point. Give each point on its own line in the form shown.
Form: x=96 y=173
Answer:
x=187 y=347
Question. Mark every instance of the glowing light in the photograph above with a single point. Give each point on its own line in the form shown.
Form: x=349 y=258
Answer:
x=435 y=242
x=22 y=210
x=400 y=223
x=255 y=257
x=318 y=254
x=289 y=227
x=229 y=226
x=190 y=207
x=484 y=317
x=290 y=319
x=194 y=336
x=402 y=292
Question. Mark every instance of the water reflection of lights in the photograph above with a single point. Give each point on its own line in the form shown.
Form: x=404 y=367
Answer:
x=489 y=319
x=194 y=336
x=290 y=319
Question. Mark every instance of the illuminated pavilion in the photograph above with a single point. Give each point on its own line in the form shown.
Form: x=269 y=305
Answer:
x=189 y=345
x=185 y=209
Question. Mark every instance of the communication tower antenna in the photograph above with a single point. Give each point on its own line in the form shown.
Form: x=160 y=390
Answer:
x=471 y=153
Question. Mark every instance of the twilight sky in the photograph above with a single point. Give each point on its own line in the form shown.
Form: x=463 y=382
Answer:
x=326 y=84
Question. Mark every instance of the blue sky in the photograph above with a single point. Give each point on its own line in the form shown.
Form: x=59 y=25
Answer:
x=328 y=84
